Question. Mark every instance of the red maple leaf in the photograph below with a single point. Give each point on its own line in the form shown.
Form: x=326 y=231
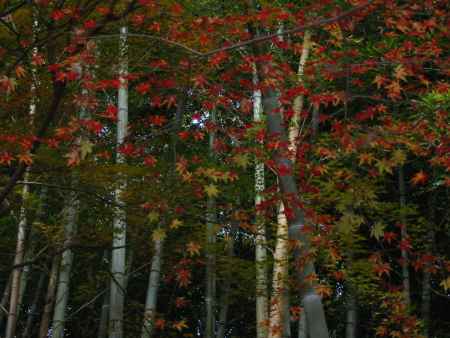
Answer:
x=143 y=88
x=127 y=149
x=90 y=24
x=183 y=277
x=157 y=120
x=110 y=112
x=57 y=15
x=150 y=161
x=6 y=158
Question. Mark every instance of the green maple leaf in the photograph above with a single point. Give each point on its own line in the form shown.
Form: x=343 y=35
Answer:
x=159 y=235
x=377 y=230
x=153 y=216
x=398 y=157
x=241 y=160
x=211 y=190
x=176 y=223
x=348 y=222
x=85 y=148
x=384 y=166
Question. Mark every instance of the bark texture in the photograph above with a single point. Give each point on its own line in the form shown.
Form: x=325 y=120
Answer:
x=63 y=284
x=262 y=314
x=152 y=290
x=49 y=298
x=118 y=257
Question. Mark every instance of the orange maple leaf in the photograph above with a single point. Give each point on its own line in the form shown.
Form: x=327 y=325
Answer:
x=20 y=71
x=382 y=269
x=73 y=158
x=379 y=80
x=193 y=248
x=401 y=73
x=25 y=158
x=394 y=89
x=180 y=325
x=323 y=290
x=419 y=178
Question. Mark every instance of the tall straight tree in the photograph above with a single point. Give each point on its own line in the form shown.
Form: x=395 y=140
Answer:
x=18 y=260
x=22 y=230
x=71 y=211
x=153 y=285
x=118 y=256
x=49 y=298
x=262 y=314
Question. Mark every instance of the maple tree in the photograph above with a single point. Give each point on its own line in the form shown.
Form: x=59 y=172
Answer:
x=350 y=140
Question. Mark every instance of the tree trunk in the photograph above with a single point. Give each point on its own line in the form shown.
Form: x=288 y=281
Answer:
x=280 y=276
x=22 y=229
x=118 y=258
x=312 y=302
x=279 y=312
x=225 y=298
x=262 y=315
x=63 y=284
x=351 y=318
x=404 y=236
x=18 y=259
x=103 y=325
x=210 y=300
x=49 y=298
x=4 y=301
x=33 y=311
x=152 y=290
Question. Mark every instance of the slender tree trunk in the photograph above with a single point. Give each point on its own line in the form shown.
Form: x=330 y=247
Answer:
x=33 y=311
x=404 y=236
x=103 y=322
x=14 y=304
x=351 y=318
x=211 y=256
x=279 y=312
x=22 y=229
x=312 y=302
x=49 y=298
x=280 y=276
x=103 y=326
x=4 y=301
x=24 y=276
x=152 y=290
x=225 y=298
x=118 y=258
x=262 y=315
x=18 y=259
x=63 y=284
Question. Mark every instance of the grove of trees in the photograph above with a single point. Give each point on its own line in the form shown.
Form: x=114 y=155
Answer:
x=224 y=169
